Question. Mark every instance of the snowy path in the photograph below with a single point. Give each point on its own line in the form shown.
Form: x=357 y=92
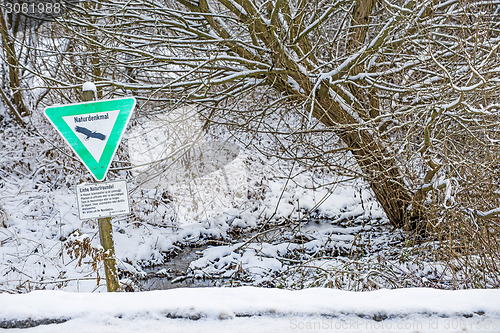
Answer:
x=249 y=309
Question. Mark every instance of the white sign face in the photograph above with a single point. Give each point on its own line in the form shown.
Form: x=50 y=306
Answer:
x=93 y=130
x=102 y=199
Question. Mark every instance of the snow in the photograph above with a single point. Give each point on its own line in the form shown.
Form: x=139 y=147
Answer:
x=89 y=86
x=250 y=309
x=489 y=213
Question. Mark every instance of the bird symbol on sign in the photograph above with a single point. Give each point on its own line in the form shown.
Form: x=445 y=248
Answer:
x=89 y=134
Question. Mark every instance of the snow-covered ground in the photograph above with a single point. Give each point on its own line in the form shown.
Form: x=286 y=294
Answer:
x=244 y=213
x=250 y=309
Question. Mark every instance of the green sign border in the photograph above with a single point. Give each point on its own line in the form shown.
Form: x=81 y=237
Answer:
x=100 y=168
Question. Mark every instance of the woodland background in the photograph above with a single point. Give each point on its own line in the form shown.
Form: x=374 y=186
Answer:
x=291 y=143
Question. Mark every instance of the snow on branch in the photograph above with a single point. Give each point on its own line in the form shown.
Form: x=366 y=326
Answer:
x=489 y=214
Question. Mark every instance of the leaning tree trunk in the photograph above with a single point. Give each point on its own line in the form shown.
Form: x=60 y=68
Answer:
x=378 y=164
x=380 y=168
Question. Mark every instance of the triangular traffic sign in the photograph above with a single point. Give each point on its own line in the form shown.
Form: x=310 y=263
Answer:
x=93 y=130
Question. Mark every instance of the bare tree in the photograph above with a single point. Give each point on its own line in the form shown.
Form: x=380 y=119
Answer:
x=409 y=87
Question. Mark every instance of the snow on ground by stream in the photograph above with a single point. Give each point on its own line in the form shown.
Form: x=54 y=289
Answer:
x=250 y=309
x=42 y=220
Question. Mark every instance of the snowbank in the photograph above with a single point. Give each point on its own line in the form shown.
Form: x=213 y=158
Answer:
x=253 y=309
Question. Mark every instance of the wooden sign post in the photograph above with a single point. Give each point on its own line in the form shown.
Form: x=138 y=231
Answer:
x=105 y=231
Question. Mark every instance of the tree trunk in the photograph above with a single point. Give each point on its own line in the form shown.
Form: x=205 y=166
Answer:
x=379 y=166
x=16 y=102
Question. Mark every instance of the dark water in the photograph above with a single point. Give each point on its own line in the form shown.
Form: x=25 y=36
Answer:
x=174 y=273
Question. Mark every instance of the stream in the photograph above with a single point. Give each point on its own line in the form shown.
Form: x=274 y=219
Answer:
x=175 y=272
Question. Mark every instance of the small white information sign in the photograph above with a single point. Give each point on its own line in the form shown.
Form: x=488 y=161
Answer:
x=102 y=199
